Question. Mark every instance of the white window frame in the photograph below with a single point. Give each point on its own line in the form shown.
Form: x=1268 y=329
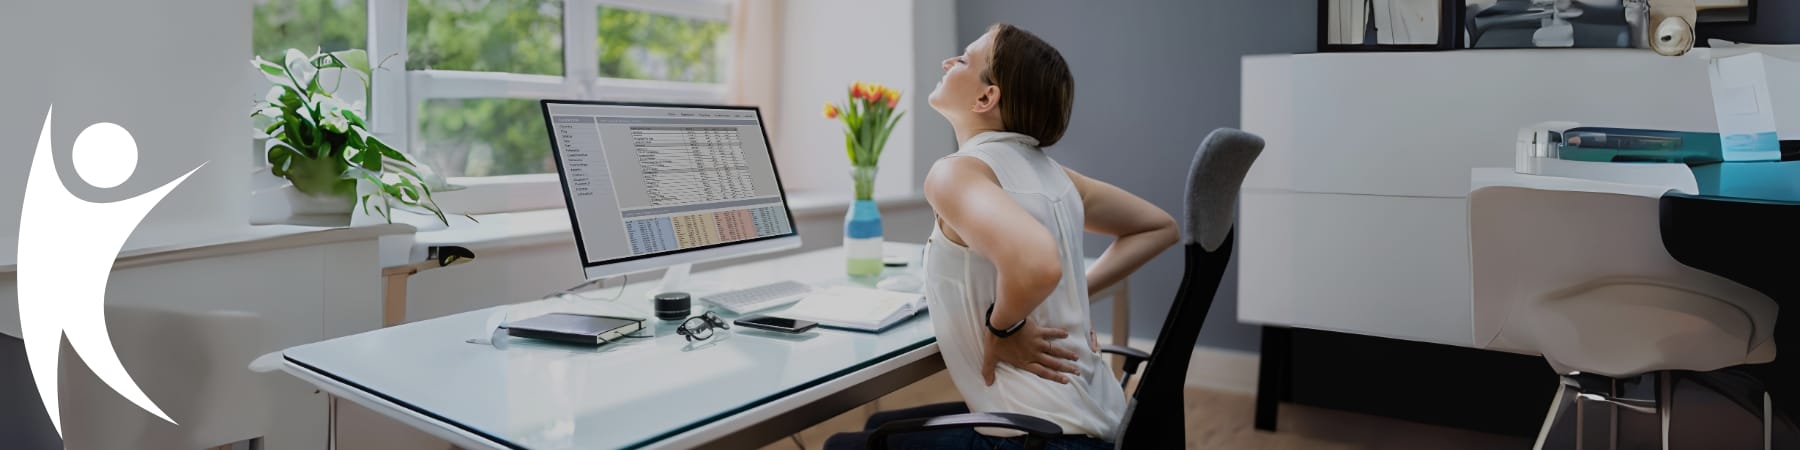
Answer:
x=398 y=93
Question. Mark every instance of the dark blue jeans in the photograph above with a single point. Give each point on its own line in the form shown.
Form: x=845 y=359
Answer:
x=960 y=438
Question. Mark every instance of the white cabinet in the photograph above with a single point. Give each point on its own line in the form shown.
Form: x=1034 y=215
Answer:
x=1355 y=219
x=308 y=285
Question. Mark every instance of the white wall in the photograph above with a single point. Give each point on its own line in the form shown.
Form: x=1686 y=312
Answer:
x=934 y=38
x=1151 y=80
x=171 y=72
x=829 y=44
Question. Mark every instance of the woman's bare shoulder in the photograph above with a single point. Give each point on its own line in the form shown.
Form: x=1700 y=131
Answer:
x=956 y=172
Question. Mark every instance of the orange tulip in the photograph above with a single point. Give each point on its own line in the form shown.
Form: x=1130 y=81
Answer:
x=893 y=98
x=831 y=111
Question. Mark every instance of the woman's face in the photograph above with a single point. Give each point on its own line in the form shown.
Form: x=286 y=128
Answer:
x=961 y=95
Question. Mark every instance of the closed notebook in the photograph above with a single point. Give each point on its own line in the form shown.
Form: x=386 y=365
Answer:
x=575 y=328
x=856 y=308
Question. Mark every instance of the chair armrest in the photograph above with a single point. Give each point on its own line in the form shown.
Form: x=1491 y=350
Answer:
x=1133 y=359
x=1035 y=429
x=1128 y=352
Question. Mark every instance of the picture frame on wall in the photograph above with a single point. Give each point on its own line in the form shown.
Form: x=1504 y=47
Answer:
x=1503 y=24
x=1726 y=11
x=1388 y=25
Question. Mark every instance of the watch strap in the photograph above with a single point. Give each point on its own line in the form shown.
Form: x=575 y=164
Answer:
x=988 y=321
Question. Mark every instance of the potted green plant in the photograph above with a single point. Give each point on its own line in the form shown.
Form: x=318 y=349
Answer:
x=323 y=146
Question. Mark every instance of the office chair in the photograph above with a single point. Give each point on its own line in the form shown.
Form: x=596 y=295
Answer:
x=1154 y=418
x=192 y=364
x=1647 y=346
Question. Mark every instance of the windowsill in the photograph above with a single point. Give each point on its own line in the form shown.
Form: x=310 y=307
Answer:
x=252 y=239
x=520 y=211
x=494 y=232
x=822 y=202
x=550 y=226
x=501 y=194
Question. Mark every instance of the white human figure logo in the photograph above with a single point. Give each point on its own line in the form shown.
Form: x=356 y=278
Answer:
x=66 y=250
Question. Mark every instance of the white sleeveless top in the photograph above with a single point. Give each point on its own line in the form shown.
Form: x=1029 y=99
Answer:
x=960 y=284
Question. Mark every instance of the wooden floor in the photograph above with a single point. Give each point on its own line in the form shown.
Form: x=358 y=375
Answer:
x=1219 y=420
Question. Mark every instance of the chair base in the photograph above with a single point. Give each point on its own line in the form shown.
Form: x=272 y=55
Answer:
x=1667 y=410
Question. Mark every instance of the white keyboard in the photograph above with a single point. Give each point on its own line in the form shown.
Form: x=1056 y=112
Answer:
x=757 y=298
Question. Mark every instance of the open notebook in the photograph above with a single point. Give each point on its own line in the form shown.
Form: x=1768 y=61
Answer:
x=856 y=308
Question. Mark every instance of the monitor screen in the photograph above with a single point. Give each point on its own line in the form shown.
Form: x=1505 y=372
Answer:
x=645 y=180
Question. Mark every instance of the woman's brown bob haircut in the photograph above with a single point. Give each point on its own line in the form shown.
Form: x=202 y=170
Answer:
x=1037 y=91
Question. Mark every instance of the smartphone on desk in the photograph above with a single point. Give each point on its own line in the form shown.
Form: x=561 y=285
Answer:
x=772 y=323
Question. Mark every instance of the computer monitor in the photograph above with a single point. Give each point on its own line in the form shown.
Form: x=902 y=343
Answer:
x=651 y=186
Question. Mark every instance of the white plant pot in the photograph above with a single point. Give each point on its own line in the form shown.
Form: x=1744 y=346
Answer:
x=283 y=204
x=302 y=204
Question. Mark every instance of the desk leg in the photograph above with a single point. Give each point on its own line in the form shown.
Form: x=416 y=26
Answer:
x=1272 y=375
x=393 y=298
x=869 y=409
x=331 y=422
x=1121 y=324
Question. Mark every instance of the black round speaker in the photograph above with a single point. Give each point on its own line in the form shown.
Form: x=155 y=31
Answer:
x=673 y=305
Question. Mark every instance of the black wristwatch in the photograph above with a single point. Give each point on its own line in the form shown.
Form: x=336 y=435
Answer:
x=988 y=321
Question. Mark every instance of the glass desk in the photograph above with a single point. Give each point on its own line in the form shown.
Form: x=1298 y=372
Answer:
x=660 y=391
x=742 y=387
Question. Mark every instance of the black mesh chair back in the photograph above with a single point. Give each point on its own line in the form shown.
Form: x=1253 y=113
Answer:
x=1155 y=418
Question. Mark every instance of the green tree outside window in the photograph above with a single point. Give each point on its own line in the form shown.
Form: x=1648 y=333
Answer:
x=482 y=137
x=329 y=25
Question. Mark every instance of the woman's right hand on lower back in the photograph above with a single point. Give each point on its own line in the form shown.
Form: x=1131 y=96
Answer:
x=1033 y=349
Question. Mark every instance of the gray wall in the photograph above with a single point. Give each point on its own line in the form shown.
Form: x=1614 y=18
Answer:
x=1151 y=79
x=1775 y=24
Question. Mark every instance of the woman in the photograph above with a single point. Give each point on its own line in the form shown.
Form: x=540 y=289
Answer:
x=1005 y=278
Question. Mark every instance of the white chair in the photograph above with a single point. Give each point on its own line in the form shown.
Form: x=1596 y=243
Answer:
x=1583 y=279
x=194 y=365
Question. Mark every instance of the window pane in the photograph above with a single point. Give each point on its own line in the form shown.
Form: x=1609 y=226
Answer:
x=649 y=46
x=482 y=137
x=308 y=25
x=517 y=36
